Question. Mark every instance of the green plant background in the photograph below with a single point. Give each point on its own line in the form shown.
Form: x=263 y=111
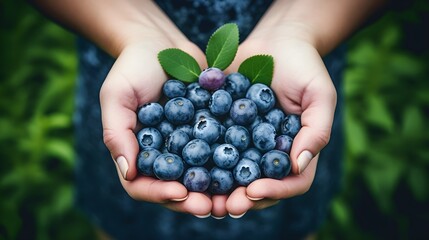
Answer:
x=385 y=189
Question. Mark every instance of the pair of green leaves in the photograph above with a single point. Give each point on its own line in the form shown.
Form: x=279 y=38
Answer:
x=220 y=52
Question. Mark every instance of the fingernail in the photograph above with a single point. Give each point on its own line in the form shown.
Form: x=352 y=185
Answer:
x=203 y=216
x=123 y=166
x=179 y=199
x=218 y=218
x=303 y=160
x=237 y=216
x=254 y=199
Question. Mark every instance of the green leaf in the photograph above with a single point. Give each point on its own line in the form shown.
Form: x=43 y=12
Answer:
x=222 y=46
x=379 y=114
x=356 y=134
x=383 y=173
x=341 y=212
x=413 y=122
x=258 y=68
x=418 y=182
x=179 y=64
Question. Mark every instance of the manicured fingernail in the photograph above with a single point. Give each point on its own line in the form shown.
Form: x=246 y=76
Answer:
x=179 y=199
x=237 y=216
x=203 y=216
x=123 y=166
x=254 y=199
x=218 y=218
x=303 y=160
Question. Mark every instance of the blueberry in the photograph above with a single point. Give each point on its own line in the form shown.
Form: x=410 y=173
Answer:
x=168 y=166
x=165 y=128
x=243 y=111
x=145 y=160
x=263 y=97
x=237 y=85
x=222 y=133
x=149 y=137
x=207 y=129
x=264 y=136
x=196 y=152
x=238 y=136
x=275 y=116
x=220 y=102
x=187 y=129
x=179 y=110
x=199 y=96
x=291 y=125
x=257 y=121
x=201 y=114
x=284 y=143
x=151 y=114
x=228 y=122
x=225 y=156
x=246 y=171
x=196 y=179
x=253 y=154
x=275 y=164
x=221 y=182
x=211 y=78
x=176 y=141
x=174 y=88
x=213 y=148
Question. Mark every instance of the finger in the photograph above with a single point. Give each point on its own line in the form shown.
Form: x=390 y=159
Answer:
x=219 y=206
x=197 y=204
x=119 y=121
x=290 y=186
x=264 y=203
x=318 y=104
x=244 y=51
x=193 y=50
x=119 y=100
x=238 y=203
x=154 y=190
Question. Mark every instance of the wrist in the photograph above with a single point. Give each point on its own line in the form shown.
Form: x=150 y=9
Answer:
x=282 y=34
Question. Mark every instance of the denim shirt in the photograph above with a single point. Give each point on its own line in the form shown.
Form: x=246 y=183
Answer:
x=100 y=194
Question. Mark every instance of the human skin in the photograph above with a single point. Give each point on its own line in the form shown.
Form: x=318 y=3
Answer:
x=296 y=33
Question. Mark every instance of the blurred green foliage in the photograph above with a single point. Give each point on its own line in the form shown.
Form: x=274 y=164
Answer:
x=385 y=189
x=386 y=87
x=37 y=77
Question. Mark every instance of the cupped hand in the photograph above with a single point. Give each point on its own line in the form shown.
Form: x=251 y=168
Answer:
x=136 y=78
x=302 y=86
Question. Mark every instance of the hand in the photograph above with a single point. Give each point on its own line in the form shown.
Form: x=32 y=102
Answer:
x=302 y=86
x=136 y=78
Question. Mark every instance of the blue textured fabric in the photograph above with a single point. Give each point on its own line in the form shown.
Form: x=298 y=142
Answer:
x=100 y=194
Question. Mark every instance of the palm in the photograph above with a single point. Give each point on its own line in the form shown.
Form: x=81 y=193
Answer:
x=135 y=79
x=302 y=86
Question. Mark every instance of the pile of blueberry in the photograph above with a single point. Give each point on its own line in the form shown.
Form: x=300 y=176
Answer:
x=215 y=134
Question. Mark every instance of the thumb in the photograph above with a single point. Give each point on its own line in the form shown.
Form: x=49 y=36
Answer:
x=318 y=107
x=119 y=122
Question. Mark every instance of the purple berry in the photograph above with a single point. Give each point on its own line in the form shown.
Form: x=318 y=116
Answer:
x=284 y=143
x=211 y=79
x=196 y=179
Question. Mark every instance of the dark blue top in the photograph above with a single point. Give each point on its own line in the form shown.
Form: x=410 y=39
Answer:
x=100 y=194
